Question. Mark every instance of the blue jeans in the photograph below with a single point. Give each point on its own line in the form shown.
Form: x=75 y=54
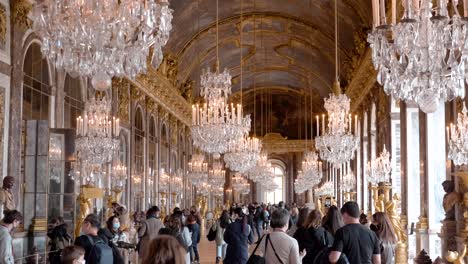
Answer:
x=221 y=251
x=194 y=252
x=259 y=229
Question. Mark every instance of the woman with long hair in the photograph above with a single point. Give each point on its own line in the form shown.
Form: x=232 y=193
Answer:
x=164 y=249
x=236 y=236
x=385 y=232
x=332 y=220
x=301 y=219
x=312 y=236
x=176 y=229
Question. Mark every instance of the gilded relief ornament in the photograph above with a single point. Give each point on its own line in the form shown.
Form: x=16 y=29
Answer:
x=186 y=90
x=168 y=68
x=19 y=13
x=124 y=100
x=3 y=26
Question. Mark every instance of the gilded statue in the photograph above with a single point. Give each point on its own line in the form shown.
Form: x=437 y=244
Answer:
x=168 y=68
x=455 y=258
x=391 y=208
x=451 y=198
x=204 y=207
x=85 y=209
x=319 y=206
x=186 y=90
x=379 y=204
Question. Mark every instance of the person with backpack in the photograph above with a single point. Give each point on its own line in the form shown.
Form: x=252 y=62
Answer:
x=97 y=251
x=312 y=237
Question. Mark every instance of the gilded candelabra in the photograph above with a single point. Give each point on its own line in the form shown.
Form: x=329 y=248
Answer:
x=163 y=205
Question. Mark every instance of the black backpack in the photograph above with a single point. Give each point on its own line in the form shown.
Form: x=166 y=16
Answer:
x=100 y=252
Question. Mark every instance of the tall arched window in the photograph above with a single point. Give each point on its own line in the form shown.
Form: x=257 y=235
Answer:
x=365 y=159
x=138 y=156
x=278 y=195
x=164 y=149
x=36 y=85
x=373 y=131
x=152 y=167
x=74 y=104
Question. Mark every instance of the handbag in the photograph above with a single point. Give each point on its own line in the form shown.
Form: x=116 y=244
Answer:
x=256 y=259
x=211 y=235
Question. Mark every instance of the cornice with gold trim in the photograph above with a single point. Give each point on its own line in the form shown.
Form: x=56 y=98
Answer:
x=164 y=94
x=275 y=143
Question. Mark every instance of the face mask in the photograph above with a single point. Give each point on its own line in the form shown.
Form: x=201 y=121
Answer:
x=116 y=225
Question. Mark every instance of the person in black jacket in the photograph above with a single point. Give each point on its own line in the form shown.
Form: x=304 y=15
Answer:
x=236 y=236
x=59 y=239
x=313 y=237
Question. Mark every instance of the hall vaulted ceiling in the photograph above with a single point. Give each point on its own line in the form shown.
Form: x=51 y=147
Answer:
x=287 y=51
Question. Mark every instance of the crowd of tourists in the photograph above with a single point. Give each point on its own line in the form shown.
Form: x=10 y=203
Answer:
x=254 y=233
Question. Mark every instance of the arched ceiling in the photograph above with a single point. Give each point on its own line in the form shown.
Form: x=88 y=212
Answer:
x=287 y=45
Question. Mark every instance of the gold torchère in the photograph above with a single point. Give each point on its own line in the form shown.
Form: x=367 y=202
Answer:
x=163 y=205
x=87 y=192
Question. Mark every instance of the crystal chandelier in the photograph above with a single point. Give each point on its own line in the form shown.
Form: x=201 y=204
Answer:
x=243 y=154
x=198 y=170
x=97 y=133
x=269 y=186
x=102 y=39
x=312 y=169
x=337 y=144
x=378 y=170
x=458 y=139
x=164 y=182
x=301 y=184
x=119 y=173
x=177 y=186
x=262 y=170
x=421 y=58
x=217 y=174
x=55 y=160
x=216 y=124
x=204 y=189
x=240 y=184
x=327 y=189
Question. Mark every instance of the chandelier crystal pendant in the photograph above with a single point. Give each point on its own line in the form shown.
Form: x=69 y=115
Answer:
x=243 y=154
x=378 y=170
x=327 y=189
x=457 y=137
x=422 y=57
x=164 y=182
x=119 y=173
x=198 y=170
x=97 y=133
x=102 y=39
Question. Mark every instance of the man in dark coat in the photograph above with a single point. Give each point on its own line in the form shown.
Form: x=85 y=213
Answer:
x=236 y=236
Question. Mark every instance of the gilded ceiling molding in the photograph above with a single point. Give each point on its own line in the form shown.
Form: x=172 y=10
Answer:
x=275 y=143
x=362 y=82
x=19 y=13
x=151 y=106
x=164 y=94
